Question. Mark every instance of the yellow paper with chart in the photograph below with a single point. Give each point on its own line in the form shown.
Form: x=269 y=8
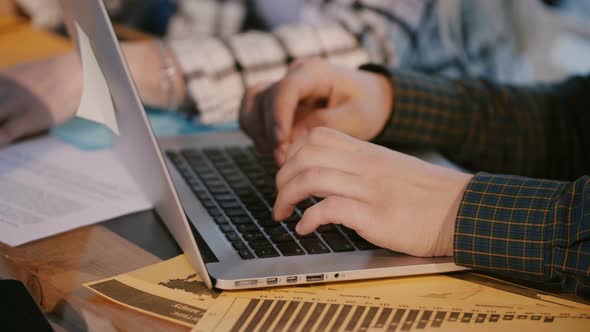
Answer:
x=173 y=291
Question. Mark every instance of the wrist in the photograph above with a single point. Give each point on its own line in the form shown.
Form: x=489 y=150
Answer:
x=171 y=80
x=386 y=92
x=147 y=65
x=448 y=230
x=143 y=61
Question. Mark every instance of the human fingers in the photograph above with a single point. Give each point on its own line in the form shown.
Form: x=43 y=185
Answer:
x=21 y=124
x=326 y=117
x=5 y=96
x=12 y=98
x=280 y=149
x=296 y=64
x=250 y=113
x=272 y=132
x=313 y=156
x=9 y=107
x=335 y=210
x=269 y=123
x=280 y=153
x=260 y=109
x=318 y=182
x=322 y=136
x=306 y=81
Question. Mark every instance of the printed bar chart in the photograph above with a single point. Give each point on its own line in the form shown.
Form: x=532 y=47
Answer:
x=281 y=315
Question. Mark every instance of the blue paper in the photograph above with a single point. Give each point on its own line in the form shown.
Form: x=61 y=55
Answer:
x=84 y=134
x=88 y=135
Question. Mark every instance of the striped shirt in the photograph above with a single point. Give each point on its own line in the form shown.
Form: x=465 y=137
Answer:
x=533 y=225
x=219 y=61
x=424 y=35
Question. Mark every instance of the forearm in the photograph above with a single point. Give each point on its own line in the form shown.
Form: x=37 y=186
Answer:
x=146 y=62
x=526 y=228
x=538 y=131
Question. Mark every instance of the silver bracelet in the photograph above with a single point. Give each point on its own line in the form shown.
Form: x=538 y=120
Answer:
x=167 y=83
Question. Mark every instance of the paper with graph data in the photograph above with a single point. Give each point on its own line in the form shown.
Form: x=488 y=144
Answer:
x=172 y=290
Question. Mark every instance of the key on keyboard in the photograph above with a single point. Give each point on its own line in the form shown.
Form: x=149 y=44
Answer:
x=236 y=185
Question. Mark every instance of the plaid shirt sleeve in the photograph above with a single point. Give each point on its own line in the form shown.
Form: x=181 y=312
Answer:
x=514 y=225
x=540 y=131
x=526 y=228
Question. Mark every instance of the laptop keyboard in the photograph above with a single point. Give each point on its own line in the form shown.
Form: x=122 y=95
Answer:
x=236 y=185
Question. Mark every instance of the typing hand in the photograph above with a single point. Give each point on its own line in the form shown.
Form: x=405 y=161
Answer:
x=393 y=200
x=35 y=96
x=315 y=93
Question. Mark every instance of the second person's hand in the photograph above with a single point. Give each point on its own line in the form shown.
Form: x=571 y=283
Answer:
x=315 y=93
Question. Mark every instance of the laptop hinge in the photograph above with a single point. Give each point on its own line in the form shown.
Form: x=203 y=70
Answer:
x=206 y=252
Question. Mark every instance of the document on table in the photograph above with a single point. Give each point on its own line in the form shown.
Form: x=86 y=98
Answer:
x=173 y=291
x=48 y=187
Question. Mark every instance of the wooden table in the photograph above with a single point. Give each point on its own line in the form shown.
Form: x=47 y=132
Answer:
x=55 y=268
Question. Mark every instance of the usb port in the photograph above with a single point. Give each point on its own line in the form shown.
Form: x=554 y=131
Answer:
x=291 y=280
x=272 y=281
x=246 y=283
x=314 y=277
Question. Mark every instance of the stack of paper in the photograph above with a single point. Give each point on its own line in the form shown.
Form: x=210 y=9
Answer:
x=173 y=291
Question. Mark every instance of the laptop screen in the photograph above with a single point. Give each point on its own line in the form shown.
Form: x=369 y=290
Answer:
x=135 y=143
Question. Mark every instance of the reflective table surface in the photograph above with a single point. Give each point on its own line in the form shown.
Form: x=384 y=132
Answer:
x=54 y=269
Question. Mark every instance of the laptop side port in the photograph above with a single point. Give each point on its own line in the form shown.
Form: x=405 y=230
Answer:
x=291 y=280
x=314 y=277
x=272 y=281
x=246 y=283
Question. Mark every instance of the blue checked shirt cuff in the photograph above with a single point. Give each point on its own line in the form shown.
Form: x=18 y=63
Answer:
x=526 y=228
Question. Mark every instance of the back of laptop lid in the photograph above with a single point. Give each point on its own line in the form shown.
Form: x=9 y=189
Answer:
x=135 y=143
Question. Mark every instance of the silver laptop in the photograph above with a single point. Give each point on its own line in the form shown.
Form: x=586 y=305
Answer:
x=215 y=194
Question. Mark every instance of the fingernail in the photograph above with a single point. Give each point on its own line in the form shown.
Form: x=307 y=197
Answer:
x=298 y=228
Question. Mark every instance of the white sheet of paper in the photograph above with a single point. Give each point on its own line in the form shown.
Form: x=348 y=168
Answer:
x=96 y=103
x=49 y=187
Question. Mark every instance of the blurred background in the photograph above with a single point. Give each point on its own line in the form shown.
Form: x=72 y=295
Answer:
x=548 y=30
x=218 y=48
